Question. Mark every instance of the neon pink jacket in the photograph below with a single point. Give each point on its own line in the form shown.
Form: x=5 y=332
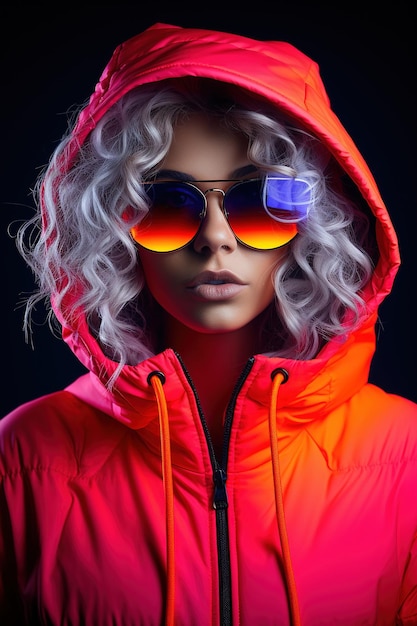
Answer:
x=310 y=516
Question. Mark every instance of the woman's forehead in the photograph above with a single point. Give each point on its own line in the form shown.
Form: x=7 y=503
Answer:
x=203 y=148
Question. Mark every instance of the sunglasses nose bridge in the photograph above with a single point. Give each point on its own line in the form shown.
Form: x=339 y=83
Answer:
x=214 y=190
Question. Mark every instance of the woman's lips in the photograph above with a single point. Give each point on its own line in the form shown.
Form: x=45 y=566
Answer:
x=217 y=292
x=216 y=285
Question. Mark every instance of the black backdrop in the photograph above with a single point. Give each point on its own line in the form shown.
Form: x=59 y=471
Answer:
x=51 y=60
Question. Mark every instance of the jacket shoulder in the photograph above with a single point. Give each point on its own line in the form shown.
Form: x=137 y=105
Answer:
x=373 y=428
x=58 y=432
x=388 y=424
x=390 y=408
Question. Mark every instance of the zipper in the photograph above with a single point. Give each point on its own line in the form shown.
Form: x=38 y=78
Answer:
x=220 y=505
x=220 y=500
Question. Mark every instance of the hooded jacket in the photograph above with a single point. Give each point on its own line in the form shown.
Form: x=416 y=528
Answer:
x=114 y=508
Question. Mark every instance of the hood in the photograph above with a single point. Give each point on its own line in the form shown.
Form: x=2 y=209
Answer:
x=276 y=71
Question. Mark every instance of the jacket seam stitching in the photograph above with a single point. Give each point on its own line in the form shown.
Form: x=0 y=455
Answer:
x=374 y=465
x=40 y=468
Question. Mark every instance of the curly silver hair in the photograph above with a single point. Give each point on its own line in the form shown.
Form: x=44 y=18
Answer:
x=83 y=247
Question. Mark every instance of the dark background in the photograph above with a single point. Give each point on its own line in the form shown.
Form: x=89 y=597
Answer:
x=51 y=60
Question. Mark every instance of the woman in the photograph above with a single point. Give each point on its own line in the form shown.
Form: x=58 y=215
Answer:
x=215 y=250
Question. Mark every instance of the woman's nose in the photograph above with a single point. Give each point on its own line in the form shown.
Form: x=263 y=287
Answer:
x=214 y=232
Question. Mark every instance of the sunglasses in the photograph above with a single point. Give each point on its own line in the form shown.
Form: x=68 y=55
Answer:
x=262 y=213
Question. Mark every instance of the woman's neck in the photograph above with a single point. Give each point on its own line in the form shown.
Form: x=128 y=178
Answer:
x=214 y=362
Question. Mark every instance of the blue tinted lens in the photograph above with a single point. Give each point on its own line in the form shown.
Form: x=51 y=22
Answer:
x=251 y=223
x=286 y=199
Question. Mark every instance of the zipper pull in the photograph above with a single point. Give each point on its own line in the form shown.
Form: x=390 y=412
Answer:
x=220 y=494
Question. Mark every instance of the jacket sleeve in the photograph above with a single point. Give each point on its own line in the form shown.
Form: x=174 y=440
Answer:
x=11 y=605
x=19 y=546
x=407 y=615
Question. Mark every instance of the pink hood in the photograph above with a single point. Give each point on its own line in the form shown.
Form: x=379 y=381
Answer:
x=275 y=70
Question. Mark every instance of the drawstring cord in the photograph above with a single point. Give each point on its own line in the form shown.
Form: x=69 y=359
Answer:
x=157 y=379
x=279 y=377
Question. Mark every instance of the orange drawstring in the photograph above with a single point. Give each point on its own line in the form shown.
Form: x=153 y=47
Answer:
x=279 y=377
x=156 y=379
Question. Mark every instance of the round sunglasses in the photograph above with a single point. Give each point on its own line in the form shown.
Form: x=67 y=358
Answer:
x=262 y=212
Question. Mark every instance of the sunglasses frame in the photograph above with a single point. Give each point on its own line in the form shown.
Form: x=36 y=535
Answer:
x=203 y=213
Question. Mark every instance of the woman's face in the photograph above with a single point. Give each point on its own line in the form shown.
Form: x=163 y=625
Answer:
x=214 y=284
